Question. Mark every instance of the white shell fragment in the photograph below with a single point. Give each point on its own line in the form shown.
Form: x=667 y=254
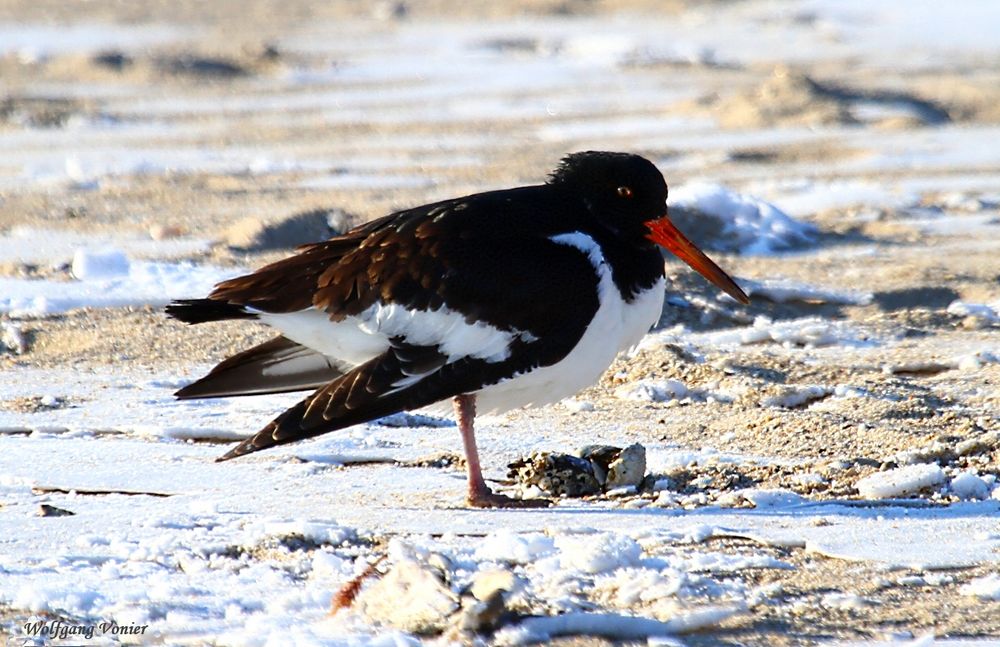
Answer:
x=410 y=597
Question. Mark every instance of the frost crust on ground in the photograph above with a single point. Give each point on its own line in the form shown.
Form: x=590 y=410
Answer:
x=753 y=225
x=901 y=481
x=109 y=279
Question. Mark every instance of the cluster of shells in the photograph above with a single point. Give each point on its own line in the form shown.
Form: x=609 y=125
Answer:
x=592 y=470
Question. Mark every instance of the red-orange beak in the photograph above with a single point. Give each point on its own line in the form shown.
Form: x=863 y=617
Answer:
x=663 y=232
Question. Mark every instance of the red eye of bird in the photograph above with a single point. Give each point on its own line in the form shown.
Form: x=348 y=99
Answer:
x=624 y=192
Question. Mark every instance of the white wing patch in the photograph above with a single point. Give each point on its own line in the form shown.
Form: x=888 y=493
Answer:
x=355 y=340
x=444 y=328
x=341 y=340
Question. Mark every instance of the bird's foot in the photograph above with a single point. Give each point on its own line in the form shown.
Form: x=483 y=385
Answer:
x=488 y=499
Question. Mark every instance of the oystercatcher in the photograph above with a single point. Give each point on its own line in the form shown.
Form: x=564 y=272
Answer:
x=496 y=300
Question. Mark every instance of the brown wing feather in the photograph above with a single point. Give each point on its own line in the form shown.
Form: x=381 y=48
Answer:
x=284 y=286
x=367 y=392
x=395 y=264
x=396 y=259
x=288 y=285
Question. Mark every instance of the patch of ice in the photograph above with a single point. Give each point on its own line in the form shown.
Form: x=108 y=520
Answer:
x=772 y=498
x=41 y=245
x=989 y=312
x=659 y=461
x=87 y=169
x=758 y=227
x=850 y=391
x=968 y=485
x=786 y=291
x=315 y=532
x=602 y=48
x=975 y=360
x=965 y=362
x=809 y=478
x=609 y=625
x=43 y=40
x=937 y=579
x=797 y=396
x=725 y=563
x=669 y=390
x=808 y=197
x=329 y=566
x=12 y=338
x=179 y=566
x=984 y=588
x=514 y=548
x=93 y=265
x=41 y=597
x=597 y=553
x=578 y=406
x=698 y=534
x=968 y=226
x=653 y=391
x=188 y=433
x=901 y=481
x=146 y=283
x=911 y=580
x=629 y=586
x=843 y=601
x=367 y=181
x=917 y=367
x=617 y=127
x=807 y=332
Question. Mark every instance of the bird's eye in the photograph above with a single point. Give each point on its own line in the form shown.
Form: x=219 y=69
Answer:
x=624 y=192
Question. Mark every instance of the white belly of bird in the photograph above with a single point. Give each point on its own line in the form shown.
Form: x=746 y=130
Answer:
x=617 y=325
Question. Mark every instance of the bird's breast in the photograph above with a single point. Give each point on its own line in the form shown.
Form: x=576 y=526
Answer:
x=617 y=324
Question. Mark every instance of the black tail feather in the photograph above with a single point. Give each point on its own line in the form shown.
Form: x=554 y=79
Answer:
x=276 y=366
x=196 y=311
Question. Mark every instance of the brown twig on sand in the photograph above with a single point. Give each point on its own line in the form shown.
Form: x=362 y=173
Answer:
x=345 y=596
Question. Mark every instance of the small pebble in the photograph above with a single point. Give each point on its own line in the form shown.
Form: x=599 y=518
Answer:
x=46 y=510
x=164 y=232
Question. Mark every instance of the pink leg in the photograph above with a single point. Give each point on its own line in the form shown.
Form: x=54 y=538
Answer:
x=480 y=495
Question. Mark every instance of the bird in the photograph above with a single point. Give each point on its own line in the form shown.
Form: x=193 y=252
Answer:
x=497 y=300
